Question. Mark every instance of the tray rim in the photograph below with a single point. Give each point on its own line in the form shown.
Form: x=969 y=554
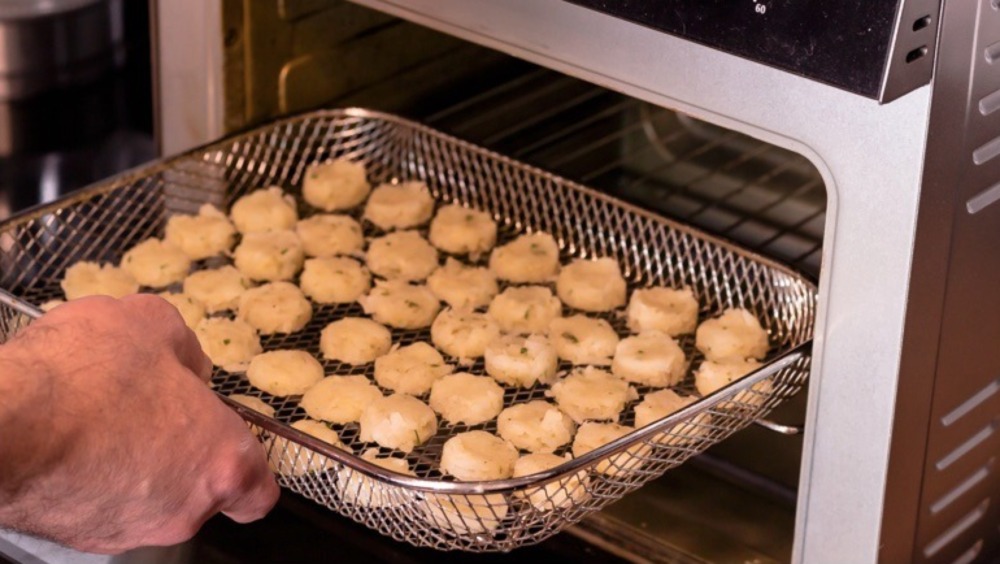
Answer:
x=571 y=466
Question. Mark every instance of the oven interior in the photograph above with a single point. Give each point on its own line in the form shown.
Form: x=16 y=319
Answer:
x=737 y=501
x=758 y=195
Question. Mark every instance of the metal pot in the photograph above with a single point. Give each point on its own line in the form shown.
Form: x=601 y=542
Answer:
x=51 y=43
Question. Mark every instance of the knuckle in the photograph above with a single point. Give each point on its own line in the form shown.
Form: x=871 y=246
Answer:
x=165 y=317
x=234 y=476
x=172 y=314
x=96 y=301
x=152 y=305
x=176 y=326
x=142 y=300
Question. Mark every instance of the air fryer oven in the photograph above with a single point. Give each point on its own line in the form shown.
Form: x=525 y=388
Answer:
x=856 y=142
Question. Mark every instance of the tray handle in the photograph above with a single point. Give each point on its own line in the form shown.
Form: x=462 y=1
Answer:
x=21 y=306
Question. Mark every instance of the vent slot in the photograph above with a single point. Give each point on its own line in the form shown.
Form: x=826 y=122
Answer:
x=915 y=54
x=971 y=482
x=990 y=103
x=945 y=538
x=970 y=555
x=982 y=395
x=922 y=23
x=967 y=446
x=992 y=53
x=986 y=152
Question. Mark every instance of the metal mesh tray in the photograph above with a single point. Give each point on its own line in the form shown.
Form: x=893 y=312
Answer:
x=101 y=222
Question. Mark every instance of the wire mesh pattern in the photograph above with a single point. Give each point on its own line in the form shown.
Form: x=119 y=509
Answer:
x=429 y=509
x=761 y=196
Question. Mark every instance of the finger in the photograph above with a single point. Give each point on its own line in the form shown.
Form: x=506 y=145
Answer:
x=259 y=492
x=249 y=489
x=257 y=503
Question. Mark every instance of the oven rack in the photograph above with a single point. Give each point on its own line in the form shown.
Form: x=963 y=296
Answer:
x=763 y=197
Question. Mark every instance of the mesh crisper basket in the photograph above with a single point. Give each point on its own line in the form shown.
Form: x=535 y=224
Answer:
x=101 y=222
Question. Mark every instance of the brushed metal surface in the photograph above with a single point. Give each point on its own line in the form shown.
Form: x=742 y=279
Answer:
x=941 y=499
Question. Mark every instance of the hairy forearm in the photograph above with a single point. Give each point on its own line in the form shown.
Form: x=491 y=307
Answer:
x=26 y=440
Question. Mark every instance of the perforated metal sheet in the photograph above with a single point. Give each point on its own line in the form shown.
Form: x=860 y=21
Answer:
x=103 y=221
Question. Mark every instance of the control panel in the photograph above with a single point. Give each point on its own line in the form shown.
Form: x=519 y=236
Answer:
x=845 y=43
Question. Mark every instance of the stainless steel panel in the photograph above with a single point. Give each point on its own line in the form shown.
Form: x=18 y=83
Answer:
x=941 y=496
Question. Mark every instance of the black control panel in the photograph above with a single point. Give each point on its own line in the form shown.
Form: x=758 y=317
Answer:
x=840 y=42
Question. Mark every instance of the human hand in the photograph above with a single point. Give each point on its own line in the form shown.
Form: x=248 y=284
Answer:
x=109 y=437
